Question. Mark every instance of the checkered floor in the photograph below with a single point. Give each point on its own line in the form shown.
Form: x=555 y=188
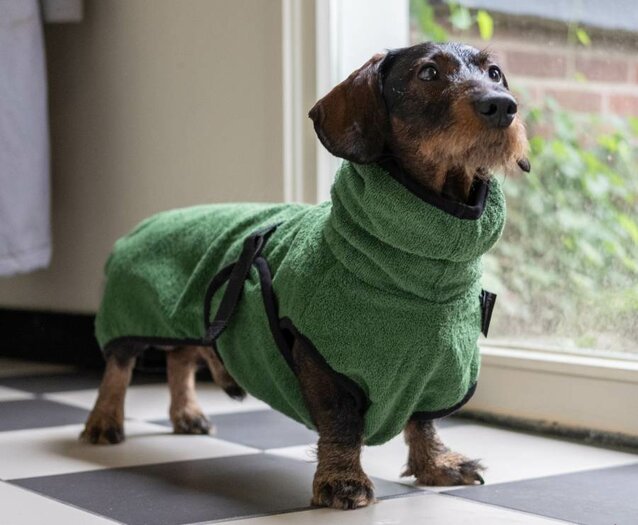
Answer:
x=258 y=467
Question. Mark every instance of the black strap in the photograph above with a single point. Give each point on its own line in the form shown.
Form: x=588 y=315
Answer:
x=487 y=305
x=236 y=274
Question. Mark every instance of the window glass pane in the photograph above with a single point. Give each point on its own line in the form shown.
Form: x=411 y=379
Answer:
x=566 y=269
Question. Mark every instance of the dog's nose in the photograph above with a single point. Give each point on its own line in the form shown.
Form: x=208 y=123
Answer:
x=497 y=110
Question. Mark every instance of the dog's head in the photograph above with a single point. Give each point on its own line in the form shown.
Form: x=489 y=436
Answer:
x=446 y=106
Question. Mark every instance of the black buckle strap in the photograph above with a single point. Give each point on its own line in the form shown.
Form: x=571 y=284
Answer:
x=236 y=274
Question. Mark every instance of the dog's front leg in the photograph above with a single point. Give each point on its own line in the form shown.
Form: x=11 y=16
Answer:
x=339 y=480
x=432 y=463
x=105 y=424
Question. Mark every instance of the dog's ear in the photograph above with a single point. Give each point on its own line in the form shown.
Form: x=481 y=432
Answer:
x=351 y=121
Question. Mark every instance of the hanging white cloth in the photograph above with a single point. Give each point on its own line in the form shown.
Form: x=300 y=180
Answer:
x=25 y=239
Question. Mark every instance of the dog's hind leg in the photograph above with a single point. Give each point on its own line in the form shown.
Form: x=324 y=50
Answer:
x=105 y=424
x=186 y=414
x=220 y=375
x=432 y=463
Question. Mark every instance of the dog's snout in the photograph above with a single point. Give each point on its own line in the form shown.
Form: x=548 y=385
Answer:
x=496 y=110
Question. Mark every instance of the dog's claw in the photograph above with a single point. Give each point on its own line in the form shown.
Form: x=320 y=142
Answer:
x=102 y=435
x=343 y=494
x=192 y=424
x=235 y=392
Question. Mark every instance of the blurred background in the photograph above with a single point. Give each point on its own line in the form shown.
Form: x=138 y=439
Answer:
x=146 y=105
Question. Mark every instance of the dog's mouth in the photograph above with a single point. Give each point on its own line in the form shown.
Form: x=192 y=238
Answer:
x=501 y=149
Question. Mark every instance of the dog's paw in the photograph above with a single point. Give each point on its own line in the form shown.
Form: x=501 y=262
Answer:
x=191 y=423
x=101 y=430
x=343 y=494
x=448 y=469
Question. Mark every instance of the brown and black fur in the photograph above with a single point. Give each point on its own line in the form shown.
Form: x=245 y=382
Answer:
x=444 y=113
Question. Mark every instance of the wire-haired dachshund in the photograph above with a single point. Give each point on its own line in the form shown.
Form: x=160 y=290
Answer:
x=443 y=116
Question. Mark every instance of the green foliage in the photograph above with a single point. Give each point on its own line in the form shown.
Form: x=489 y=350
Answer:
x=459 y=17
x=568 y=260
x=424 y=14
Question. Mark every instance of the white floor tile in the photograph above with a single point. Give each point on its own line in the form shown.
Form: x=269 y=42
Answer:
x=508 y=456
x=57 y=450
x=150 y=402
x=16 y=367
x=10 y=394
x=431 y=509
x=511 y=456
x=21 y=507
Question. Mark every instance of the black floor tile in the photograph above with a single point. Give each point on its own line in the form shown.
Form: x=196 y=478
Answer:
x=261 y=429
x=38 y=413
x=595 y=497
x=192 y=491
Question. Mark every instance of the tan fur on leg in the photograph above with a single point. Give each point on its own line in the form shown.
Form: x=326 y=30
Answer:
x=105 y=424
x=186 y=415
x=221 y=375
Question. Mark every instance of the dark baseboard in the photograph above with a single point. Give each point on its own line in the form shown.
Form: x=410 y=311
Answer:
x=58 y=338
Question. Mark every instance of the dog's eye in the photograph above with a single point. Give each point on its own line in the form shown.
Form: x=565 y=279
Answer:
x=495 y=73
x=428 y=73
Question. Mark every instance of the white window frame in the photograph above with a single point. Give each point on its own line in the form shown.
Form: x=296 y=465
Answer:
x=346 y=39
x=517 y=381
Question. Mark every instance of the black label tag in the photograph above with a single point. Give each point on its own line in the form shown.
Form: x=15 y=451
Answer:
x=487 y=305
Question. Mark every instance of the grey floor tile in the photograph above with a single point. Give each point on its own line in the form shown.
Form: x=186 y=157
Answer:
x=38 y=413
x=81 y=380
x=596 y=497
x=451 y=421
x=261 y=429
x=269 y=429
x=192 y=491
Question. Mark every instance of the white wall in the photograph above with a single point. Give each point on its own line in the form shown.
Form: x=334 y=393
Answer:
x=154 y=104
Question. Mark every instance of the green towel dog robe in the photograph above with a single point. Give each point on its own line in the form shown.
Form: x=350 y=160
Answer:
x=383 y=281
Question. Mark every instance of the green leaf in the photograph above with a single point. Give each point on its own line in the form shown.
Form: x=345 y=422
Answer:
x=430 y=27
x=485 y=24
x=580 y=77
x=460 y=17
x=629 y=225
x=583 y=37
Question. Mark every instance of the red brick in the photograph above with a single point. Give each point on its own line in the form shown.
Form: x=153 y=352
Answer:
x=602 y=69
x=533 y=64
x=624 y=105
x=577 y=100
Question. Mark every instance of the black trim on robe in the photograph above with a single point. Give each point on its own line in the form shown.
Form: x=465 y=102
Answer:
x=473 y=210
x=438 y=414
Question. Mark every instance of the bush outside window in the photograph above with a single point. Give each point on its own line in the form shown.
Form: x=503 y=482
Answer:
x=566 y=269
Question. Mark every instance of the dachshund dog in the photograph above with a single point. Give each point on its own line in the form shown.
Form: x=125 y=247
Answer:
x=443 y=116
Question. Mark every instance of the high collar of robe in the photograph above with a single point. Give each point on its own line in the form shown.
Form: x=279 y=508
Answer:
x=395 y=235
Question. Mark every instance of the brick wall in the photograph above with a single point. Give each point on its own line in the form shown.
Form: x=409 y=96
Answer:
x=593 y=79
